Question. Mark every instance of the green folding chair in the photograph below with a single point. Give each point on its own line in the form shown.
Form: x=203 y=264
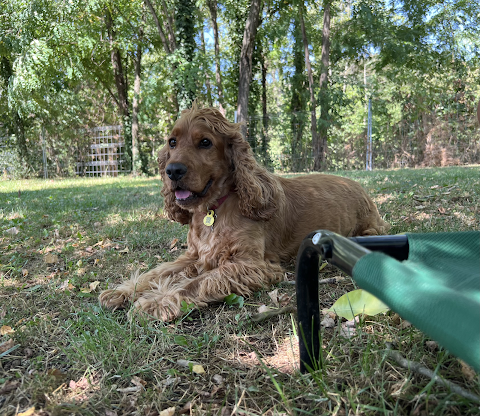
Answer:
x=432 y=280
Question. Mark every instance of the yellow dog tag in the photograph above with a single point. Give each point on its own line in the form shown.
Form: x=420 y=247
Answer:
x=209 y=219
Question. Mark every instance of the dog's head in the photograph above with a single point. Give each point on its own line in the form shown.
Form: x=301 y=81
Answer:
x=205 y=157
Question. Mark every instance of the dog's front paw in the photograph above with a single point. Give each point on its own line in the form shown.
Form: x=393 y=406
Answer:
x=114 y=298
x=165 y=309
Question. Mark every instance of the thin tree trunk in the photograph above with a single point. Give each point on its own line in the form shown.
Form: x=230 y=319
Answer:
x=166 y=46
x=207 y=76
x=324 y=101
x=313 y=104
x=212 y=6
x=245 y=70
x=264 y=106
x=122 y=92
x=135 y=104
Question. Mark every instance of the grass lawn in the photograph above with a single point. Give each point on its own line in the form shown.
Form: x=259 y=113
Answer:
x=62 y=241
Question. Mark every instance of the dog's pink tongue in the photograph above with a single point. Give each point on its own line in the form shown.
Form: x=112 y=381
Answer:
x=181 y=194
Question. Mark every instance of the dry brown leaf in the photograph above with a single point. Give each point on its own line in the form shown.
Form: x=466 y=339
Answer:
x=5 y=346
x=24 y=272
x=5 y=329
x=55 y=372
x=468 y=371
x=81 y=271
x=173 y=243
x=51 y=258
x=405 y=324
x=29 y=412
x=168 y=412
x=274 y=296
x=9 y=386
x=441 y=210
x=138 y=381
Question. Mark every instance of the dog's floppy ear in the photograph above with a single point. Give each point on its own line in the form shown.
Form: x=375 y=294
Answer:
x=173 y=211
x=256 y=187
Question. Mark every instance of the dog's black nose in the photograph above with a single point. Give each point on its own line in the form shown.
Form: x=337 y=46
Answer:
x=176 y=171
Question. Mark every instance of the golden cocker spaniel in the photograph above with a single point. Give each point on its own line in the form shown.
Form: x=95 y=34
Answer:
x=243 y=220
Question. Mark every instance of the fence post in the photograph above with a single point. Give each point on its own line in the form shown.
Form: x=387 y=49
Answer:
x=44 y=151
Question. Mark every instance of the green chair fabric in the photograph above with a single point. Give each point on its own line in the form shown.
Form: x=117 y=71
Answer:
x=437 y=289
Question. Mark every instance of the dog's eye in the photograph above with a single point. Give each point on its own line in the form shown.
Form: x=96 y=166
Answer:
x=172 y=142
x=205 y=144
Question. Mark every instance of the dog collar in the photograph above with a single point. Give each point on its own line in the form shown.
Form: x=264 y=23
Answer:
x=209 y=219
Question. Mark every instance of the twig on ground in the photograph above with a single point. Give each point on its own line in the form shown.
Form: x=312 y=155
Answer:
x=320 y=281
x=259 y=317
x=420 y=369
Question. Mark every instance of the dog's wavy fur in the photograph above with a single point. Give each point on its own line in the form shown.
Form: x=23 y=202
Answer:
x=259 y=225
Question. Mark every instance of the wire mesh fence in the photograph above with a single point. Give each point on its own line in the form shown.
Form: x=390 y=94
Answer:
x=105 y=154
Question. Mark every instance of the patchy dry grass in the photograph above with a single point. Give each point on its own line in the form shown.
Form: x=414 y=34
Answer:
x=68 y=356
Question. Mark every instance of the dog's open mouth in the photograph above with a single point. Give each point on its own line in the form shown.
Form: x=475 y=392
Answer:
x=184 y=196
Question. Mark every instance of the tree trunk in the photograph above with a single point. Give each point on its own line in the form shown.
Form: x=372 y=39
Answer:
x=169 y=45
x=165 y=43
x=136 y=94
x=320 y=164
x=264 y=107
x=245 y=70
x=212 y=6
x=313 y=104
x=207 y=76
x=122 y=92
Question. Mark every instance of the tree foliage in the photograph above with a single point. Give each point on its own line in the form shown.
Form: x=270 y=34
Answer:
x=66 y=67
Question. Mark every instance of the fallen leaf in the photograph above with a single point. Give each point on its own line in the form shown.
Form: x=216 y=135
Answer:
x=125 y=250
x=51 y=258
x=441 y=210
x=263 y=308
x=186 y=409
x=9 y=386
x=81 y=271
x=89 y=249
x=431 y=345
x=94 y=285
x=29 y=412
x=356 y=302
x=168 y=412
x=5 y=346
x=66 y=285
x=24 y=272
x=4 y=330
x=217 y=378
x=274 y=296
x=347 y=332
x=55 y=372
x=138 y=381
x=468 y=371
x=198 y=369
x=130 y=389
x=327 y=322
x=405 y=324
x=12 y=231
x=173 y=243
x=170 y=381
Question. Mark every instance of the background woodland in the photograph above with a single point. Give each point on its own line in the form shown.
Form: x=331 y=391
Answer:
x=300 y=74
